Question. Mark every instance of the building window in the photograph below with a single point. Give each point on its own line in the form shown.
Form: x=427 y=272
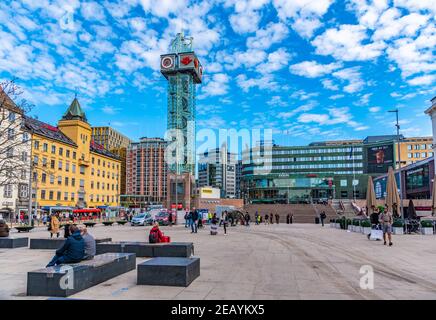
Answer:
x=65 y=196
x=50 y=195
x=59 y=180
x=67 y=166
x=66 y=181
x=74 y=155
x=25 y=137
x=11 y=133
x=409 y=147
x=92 y=160
x=52 y=164
x=23 y=191
x=36 y=145
x=67 y=153
x=45 y=147
x=424 y=155
x=24 y=156
x=10 y=152
x=53 y=149
x=72 y=196
x=44 y=178
x=92 y=171
x=7 y=191
x=82 y=170
x=59 y=194
x=343 y=183
x=23 y=174
x=92 y=184
x=43 y=194
x=61 y=151
x=417 y=155
x=410 y=155
x=52 y=179
x=11 y=117
x=423 y=146
x=73 y=182
x=82 y=183
x=35 y=160
x=60 y=165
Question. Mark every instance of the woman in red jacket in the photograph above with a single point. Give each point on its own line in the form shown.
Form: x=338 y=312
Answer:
x=156 y=235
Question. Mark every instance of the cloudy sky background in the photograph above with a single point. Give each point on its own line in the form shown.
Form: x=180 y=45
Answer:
x=310 y=70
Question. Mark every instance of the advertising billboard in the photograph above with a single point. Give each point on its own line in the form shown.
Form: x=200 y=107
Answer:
x=380 y=158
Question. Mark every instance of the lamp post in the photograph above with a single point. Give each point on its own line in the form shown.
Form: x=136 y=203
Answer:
x=399 y=160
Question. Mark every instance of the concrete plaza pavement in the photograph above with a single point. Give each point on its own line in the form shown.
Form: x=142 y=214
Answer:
x=298 y=261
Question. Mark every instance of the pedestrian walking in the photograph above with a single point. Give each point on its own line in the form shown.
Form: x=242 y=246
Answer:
x=288 y=218
x=271 y=218
x=224 y=220
x=291 y=218
x=194 y=218
x=213 y=225
x=256 y=218
x=247 y=219
x=322 y=216
x=386 y=220
x=187 y=217
x=170 y=218
x=54 y=226
x=277 y=218
x=266 y=219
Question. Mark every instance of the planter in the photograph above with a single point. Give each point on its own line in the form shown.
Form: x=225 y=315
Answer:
x=108 y=223
x=358 y=229
x=90 y=224
x=398 y=230
x=427 y=231
x=338 y=225
x=350 y=228
x=24 y=228
x=122 y=222
x=366 y=230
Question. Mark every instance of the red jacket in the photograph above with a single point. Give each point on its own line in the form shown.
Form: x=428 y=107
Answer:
x=159 y=234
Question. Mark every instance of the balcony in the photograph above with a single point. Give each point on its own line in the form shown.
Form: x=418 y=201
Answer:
x=83 y=162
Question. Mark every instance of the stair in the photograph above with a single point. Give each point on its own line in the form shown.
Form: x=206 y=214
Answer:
x=302 y=213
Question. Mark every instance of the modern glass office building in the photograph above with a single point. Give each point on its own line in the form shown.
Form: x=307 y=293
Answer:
x=316 y=172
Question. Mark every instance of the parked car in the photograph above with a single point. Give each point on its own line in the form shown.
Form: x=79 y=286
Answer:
x=142 y=219
x=162 y=218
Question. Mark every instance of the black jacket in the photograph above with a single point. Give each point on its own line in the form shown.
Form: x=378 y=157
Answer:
x=194 y=215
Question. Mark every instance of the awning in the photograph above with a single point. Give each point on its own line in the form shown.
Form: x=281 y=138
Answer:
x=87 y=211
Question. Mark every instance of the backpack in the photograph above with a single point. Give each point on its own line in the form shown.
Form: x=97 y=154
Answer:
x=153 y=237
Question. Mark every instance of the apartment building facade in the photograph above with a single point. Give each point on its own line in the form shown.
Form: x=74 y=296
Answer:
x=146 y=171
x=117 y=143
x=69 y=168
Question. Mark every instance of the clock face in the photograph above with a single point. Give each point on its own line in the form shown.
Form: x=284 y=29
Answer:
x=167 y=62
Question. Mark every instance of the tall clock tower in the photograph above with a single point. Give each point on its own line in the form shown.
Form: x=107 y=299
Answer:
x=183 y=70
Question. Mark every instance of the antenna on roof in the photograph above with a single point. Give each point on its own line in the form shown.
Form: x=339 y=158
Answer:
x=75 y=92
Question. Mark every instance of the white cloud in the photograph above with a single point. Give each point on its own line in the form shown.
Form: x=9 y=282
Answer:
x=163 y=8
x=305 y=15
x=328 y=84
x=347 y=43
x=217 y=86
x=110 y=110
x=352 y=76
x=303 y=108
x=264 y=82
x=334 y=116
x=246 y=17
x=92 y=11
x=374 y=109
x=313 y=69
x=423 y=80
x=276 y=61
x=265 y=38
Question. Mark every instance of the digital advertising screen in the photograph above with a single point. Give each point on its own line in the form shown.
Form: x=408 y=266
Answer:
x=380 y=158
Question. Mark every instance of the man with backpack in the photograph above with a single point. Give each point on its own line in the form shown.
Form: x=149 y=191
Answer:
x=155 y=235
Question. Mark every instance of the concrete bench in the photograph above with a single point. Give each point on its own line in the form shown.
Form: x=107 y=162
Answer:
x=13 y=242
x=55 y=243
x=146 y=249
x=162 y=271
x=68 y=279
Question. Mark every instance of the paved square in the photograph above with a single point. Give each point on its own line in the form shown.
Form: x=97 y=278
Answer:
x=299 y=261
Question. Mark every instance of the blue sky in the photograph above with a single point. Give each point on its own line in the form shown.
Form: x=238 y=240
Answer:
x=309 y=70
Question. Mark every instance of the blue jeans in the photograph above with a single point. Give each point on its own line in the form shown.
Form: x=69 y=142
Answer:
x=193 y=226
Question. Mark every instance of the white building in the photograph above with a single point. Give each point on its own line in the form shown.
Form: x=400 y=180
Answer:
x=217 y=168
x=15 y=157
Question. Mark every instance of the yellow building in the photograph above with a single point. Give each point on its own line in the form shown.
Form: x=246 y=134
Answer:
x=116 y=143
x=414 y=149
x=69 y=168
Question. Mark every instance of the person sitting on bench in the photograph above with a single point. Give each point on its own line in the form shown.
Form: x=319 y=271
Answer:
x=4 y=229
x=72 y=251
x=89 y=243
x=156 y=235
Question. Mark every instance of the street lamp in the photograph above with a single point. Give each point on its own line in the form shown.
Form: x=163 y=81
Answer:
x=399 y=159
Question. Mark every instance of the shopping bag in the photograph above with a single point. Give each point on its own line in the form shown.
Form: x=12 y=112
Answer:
x=376 y=235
